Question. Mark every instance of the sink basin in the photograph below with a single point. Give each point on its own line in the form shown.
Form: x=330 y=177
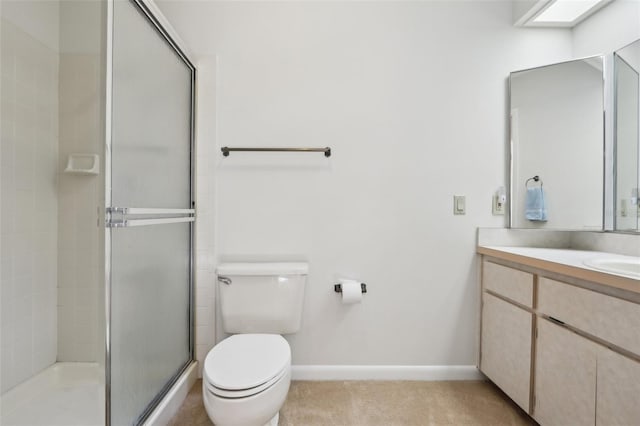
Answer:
x=629 y=267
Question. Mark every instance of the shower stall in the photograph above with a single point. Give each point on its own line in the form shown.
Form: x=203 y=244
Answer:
x=96 y=211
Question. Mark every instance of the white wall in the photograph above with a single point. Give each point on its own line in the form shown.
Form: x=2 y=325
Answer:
x=411 y=97
x=81 y=26
x=29 y=152
x=37 y=18
x=522 y=9
x=613 y=27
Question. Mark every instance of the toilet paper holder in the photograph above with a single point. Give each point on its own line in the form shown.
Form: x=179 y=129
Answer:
x=338 y=288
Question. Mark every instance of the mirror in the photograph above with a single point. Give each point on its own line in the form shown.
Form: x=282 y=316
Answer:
x=626 y=64
x=557 y=134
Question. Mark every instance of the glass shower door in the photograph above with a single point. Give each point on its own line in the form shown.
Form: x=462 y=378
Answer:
x=149 y=214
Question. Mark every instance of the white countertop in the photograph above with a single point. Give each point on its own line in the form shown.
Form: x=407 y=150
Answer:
x=569 y=257
x=568 y=261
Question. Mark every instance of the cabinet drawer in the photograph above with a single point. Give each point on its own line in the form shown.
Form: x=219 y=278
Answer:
x=508 y=282
x=611 y=319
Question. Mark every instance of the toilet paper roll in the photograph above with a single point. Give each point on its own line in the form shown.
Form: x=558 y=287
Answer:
x=351 y=292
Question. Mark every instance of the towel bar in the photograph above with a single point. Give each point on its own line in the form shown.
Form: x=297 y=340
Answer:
x=536 y=178
x=226 y=150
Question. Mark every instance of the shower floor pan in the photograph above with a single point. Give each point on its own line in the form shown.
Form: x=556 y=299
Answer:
x=66 y=393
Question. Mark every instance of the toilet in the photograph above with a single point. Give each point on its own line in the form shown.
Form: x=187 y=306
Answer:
x=246 y=377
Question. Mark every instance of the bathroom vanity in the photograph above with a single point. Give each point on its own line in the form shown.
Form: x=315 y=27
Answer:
x=560 y=338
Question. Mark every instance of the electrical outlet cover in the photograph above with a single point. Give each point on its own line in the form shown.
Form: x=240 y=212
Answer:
x=497 y=207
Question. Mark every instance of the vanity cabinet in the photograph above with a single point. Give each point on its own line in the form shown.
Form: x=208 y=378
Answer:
x=506 y=340
x=564 y=352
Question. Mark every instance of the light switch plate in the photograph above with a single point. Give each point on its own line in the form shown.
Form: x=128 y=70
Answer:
x=459 y=204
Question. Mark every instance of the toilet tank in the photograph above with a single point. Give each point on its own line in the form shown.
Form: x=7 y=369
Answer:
x=261 y=297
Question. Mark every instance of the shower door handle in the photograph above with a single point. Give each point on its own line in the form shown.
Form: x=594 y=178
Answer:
x=139 y=210
x=145 y=222
x=123 y=217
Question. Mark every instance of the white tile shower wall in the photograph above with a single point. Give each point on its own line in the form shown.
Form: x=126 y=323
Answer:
x=205 y=255
x=79 y=198
x=411 y=98
x=39 y=19
x=80 y=287
x=29 y=151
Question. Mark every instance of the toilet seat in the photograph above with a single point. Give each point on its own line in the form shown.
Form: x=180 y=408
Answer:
x=224 y=393
x=246 y=364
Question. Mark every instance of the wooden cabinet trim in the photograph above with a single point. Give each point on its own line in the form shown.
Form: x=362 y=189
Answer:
x=511 y=301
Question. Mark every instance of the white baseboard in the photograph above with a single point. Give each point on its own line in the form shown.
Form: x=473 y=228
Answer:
x=173 y=400
x=386 y=372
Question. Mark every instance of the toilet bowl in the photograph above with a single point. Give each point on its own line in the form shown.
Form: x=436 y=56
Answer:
x=246 y=379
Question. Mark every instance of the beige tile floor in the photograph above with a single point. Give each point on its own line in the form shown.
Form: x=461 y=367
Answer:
x=385 y=403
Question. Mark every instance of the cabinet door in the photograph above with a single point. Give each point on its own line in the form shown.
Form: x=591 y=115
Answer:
x=618 y=395
x=506 y=347
x=565 y=380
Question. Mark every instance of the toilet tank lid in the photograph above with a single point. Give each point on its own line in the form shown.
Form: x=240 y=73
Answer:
x=263 y=268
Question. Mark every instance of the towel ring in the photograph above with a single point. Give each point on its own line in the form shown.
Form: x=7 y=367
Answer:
x=536 y=178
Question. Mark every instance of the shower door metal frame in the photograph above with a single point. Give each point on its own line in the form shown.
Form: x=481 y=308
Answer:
x=163 y=28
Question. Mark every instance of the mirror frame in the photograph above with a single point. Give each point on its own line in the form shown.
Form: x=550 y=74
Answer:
x=609 y=195
x=607 y=143
x=611 y=143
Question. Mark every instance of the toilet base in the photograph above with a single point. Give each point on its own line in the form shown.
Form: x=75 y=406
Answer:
x=274 y=420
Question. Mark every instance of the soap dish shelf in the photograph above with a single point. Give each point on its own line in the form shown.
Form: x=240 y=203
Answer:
x=83 y=164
